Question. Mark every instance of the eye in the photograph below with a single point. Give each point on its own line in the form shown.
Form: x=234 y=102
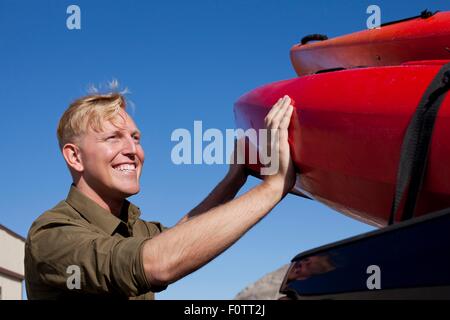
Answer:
x=111 y=137
x=137 y=138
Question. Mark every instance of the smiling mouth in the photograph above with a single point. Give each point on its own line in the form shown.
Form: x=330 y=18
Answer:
x=125 y=168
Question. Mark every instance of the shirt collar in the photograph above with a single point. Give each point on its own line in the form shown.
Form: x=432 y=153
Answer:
x=98 y=216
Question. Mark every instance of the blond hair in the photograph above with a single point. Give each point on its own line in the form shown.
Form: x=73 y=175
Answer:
x=88 y=112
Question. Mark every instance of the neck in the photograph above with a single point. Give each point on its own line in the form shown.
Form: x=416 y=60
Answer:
x=110 y=204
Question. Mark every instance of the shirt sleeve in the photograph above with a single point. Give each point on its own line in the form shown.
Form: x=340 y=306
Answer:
x=106 y=264
x=155 y=227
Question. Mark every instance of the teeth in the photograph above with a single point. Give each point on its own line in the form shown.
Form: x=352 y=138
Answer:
x=126 y=167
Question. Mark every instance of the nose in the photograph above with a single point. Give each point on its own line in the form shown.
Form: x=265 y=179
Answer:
x=129 y=147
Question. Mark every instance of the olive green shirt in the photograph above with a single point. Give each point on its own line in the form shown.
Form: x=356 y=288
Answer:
x=78 y=238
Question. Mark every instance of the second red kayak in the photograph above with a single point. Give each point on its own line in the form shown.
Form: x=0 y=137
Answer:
x=421 y=38
x=347 y=132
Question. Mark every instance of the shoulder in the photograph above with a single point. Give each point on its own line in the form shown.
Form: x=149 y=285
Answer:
x=54 y=229
x=59 y=216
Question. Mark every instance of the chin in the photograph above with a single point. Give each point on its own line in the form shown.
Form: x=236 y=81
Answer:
x=130 y=192
x=127 y=191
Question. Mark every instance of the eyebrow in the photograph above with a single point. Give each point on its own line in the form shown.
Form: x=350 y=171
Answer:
x=136 y=132
x=120 y=132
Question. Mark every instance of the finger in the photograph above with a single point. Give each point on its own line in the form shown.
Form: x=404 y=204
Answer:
x=274 y=108
x=285 y=100
x=284 y=124
x=273 y=111
x=239 y=151
x=280 y=114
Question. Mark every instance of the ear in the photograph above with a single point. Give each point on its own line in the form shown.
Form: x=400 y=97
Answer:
x=72 y=155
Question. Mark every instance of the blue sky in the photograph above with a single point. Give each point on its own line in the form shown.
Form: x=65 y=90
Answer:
x=183 y=61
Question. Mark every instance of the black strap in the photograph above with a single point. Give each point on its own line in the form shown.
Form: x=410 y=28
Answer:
x=313 y=37
x=416 y=144
x=425 y=14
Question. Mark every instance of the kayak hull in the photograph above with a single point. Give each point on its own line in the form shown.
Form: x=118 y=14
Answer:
x=346 y=135
x=394 y=44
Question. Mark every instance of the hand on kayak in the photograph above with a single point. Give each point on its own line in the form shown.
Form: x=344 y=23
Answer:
x=277 y=124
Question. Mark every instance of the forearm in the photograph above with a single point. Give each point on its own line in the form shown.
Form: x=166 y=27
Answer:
x=225 y=191
x=188 y=246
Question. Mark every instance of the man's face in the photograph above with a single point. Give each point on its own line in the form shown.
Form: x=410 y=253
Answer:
x=113 y=158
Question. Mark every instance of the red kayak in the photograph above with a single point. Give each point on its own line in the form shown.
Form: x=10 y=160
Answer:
x=426 y=37
x=347 y=131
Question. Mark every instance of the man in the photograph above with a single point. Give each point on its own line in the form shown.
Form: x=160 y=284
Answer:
x=93 y=244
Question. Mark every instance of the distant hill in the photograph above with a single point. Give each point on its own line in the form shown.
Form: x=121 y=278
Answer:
x=265 y=288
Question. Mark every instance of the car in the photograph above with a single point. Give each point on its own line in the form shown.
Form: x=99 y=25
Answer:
x=407 y=260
